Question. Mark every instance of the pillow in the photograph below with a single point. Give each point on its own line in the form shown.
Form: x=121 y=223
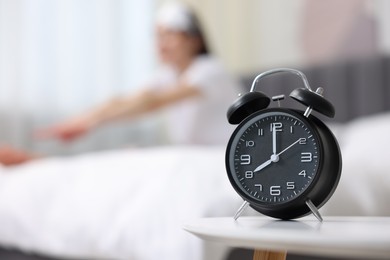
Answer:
x=364 y=186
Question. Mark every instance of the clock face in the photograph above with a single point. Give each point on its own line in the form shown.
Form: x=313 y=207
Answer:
x=273 y=157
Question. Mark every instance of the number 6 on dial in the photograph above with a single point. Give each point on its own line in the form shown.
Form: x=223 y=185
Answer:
x=284 y=163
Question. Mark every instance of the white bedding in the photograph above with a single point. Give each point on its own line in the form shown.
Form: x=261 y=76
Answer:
x=127 y=204
x=131 y=204
x=364 y=187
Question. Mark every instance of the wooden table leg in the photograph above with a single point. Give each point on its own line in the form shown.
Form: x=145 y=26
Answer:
x=269 y=255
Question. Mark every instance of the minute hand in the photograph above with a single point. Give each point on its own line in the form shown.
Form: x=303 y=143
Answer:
x=288 y=147
x=275 y=157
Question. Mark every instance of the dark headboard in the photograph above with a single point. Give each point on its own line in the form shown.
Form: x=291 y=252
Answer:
x=356 y=88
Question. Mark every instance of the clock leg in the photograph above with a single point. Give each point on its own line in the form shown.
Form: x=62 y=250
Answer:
x=269 y=255
x=241 y=209
x=314 y=210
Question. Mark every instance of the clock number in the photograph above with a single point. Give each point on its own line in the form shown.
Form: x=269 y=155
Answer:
x=275 y=190
x=260 y=132
x=245 y=159
x=302 y=173
x=277 y=126
x=306 y=157
x=291 y=185
x=249 y=174
x=260 y=187
x=302 y=141
x=249 y=143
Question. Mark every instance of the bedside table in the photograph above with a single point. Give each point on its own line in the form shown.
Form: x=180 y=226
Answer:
x=361 y=237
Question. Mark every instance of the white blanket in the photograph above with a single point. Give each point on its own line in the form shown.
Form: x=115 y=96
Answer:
x=131 y=204
x=364 y=187
x=128 y=204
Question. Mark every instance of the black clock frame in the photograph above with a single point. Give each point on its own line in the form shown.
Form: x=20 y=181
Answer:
x=322 y=186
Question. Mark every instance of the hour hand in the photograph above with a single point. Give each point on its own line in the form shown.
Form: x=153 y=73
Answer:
x=263 y=165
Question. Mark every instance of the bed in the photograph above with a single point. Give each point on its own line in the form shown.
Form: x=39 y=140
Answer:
x=131 y=203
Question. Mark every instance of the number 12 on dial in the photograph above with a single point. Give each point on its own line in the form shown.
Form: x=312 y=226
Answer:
x=277 y=170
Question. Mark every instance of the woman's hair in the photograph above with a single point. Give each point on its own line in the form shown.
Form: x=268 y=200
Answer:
x=180 y=17
x=198 y=31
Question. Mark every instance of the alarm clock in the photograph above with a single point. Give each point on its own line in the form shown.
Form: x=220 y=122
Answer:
x=284 y=163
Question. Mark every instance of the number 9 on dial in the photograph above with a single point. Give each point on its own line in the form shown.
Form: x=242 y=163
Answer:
x=284 y=163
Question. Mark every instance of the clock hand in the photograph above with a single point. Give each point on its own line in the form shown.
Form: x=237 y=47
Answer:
x=274 y=140
x=275 y=157
x=288 y=147
x=263 y=165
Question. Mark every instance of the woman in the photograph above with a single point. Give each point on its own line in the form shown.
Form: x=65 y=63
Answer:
x=191 y=87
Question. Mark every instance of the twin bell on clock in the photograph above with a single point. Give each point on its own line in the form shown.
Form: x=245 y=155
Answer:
x=285 y=163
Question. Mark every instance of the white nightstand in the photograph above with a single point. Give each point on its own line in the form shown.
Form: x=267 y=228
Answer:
x=361 y=237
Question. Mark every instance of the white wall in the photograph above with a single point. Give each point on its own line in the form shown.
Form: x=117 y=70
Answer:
x=252 y=35
x=382 y=10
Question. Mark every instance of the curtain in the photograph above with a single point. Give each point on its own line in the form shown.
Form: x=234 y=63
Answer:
x=58 y=57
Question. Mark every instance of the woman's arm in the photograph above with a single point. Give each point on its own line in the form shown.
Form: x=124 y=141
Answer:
x=143 y=102
x=129 y=107
x=10 y=156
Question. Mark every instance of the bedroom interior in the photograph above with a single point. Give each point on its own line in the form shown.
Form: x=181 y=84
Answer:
x=349 y=56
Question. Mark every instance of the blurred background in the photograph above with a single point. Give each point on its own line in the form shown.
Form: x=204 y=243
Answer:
x=59 y=57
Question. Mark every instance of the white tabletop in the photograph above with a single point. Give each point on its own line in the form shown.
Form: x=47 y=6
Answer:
x=365 y=237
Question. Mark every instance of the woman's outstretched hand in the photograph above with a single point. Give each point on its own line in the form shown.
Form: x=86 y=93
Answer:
x=10 y=156
x=68 y=130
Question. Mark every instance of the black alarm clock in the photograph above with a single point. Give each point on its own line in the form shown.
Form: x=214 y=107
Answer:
x=284 y=163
